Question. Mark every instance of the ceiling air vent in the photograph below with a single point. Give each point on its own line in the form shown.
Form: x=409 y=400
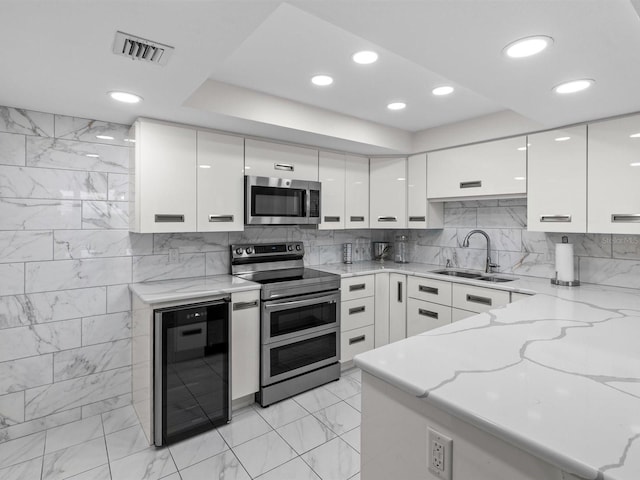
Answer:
x=137 y=48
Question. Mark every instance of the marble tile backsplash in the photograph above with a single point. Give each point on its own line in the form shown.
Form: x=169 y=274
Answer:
x=67 y=258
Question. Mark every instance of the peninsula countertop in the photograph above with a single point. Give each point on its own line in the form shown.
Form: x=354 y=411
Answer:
x=556 y=374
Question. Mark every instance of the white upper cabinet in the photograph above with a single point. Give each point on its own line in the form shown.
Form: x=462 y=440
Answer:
x=388 y=201
x=220 y=176
x=266 y=159
x=332 y=176
x=557 y=181
x=356 y=211
x=614 y=176
x=420 y=212
x=163 y=178
x=491 y=169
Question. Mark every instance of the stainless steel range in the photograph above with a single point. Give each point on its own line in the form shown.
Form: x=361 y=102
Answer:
x=299 y=320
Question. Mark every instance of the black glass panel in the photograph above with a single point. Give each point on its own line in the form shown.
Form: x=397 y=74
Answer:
x=300 y=354
x=302 y=318
x=277 y=202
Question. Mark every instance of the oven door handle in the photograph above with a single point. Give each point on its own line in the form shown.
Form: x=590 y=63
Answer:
x=299 y=303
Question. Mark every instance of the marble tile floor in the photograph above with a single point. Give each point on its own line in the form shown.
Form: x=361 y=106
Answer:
x=313 y=436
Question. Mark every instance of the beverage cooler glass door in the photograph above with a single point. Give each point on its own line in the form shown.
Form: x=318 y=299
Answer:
x=192 y=370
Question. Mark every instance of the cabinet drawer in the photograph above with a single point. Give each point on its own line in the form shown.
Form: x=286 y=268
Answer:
x=423 y=316
x=355 y=341
x=429 y=290
x=357 y=313
x=357 y=287
x=457 y=314
x=478 y=299
x=515 y=296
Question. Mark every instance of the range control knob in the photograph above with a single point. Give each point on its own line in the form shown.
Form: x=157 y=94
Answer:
x=298 y=247
x=249 y=250
x=239 y=251
x=290 y=248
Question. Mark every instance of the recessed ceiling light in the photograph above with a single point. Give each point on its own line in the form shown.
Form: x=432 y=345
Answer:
x=104 y=137
x=525 y=47
x=125 y=97
x=562 y=139
x=204 y=166
x=322 y=80
x=396 y=106
x=573 y=86
x=92 y=155
x=444 y=90
x=635 y=135
x=519 y=178
x=365 y=57
x=635 y=164
x=522 y=149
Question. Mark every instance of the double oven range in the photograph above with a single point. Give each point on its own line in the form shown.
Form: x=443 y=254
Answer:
x=299 y=319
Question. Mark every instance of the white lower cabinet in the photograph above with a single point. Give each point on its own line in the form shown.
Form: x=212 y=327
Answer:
x=357 y=313
x=382 y=309
x=357 y=316
x=515 y=296
x=397 y=307
x=423 y=316
x=477 y=299
x=356 y=341
x=245 y=343
x=459 y=314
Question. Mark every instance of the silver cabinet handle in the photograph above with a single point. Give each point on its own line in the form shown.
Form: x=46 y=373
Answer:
x=472 y=184
x=168 y=218
x=355 y=310
x=283 y=166
x=555 y=218
x=331 y=219
x=356 y=287
x=399 y=292
x=359 y=339
x=427 y=313
x=625 y=218
x=245 y=305
x=356 y=219
x=221 y=218
x=417 y=219
x=387 y=219
x=426 y=289
x=478 y=299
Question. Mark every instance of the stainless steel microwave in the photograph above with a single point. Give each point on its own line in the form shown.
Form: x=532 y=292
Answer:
x=281 y=201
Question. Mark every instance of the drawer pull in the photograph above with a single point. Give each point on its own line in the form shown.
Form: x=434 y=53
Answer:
x=625 y=217
x=555 y=218
x=355 y=310
x=331 y=219
x=417 y=219
x=399 y=292
x=427 y=313
x=387 y=219
x=478 y=299
x=359 y=339
x=168 y=218
x=221 y=218
x=245 y=305
x=473 y=184
x=426 y=289
x=357 y=286
x=283 y=166
x=356 y=219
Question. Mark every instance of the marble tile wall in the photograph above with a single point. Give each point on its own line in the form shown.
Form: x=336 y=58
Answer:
x=67 y=258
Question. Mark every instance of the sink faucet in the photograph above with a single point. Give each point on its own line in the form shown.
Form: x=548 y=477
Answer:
x=489 y=266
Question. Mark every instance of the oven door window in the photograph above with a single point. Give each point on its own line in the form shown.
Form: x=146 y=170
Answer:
x=289 y=319
x=277 y=202
x=304 y=354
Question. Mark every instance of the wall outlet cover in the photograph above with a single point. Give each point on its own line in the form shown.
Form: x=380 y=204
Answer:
x=439 y=454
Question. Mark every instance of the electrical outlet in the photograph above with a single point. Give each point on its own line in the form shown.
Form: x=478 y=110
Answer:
x=174 y=255
x=439 y=454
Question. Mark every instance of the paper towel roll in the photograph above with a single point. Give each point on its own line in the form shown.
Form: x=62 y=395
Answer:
x=564 y=262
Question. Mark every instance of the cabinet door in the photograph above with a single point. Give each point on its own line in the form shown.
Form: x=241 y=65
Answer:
x=557 y=181
x=268 y=159
x=487 y=169
x=388 y=202
x=331 y=171
x=356 y=192
x=381 y=309
x=356 y=341
x=614 y=176
x=397 y=307
x=424 y=316
x=421 y=213
x=220 y=183
x=165 y=178
x=245 y=343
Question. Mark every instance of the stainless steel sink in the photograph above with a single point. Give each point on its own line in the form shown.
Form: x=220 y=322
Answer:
x=496 y=279
x=453 y=273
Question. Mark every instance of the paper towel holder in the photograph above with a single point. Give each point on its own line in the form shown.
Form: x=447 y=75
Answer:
x=562 y=283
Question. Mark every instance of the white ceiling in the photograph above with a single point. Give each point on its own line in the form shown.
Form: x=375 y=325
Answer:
x=56 y=57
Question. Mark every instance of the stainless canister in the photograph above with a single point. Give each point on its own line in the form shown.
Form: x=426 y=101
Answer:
x=347 y=253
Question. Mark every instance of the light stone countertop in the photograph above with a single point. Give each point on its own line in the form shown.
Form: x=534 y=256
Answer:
x=190 y=289
x=556 y=374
